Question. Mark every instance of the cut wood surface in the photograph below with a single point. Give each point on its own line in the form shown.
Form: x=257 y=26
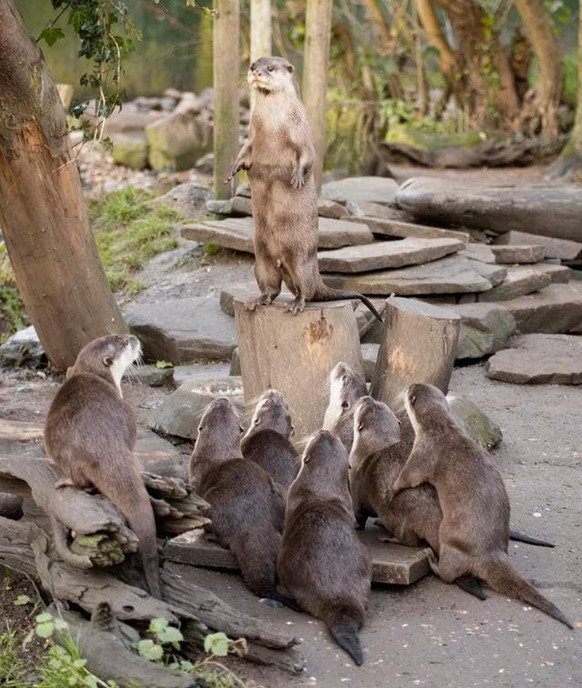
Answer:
x=546 y=210
x=294 y=354
x=418 y=345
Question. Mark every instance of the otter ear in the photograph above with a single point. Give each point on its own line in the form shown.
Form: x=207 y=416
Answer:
x=360 y=427
x=108 y=361
x=292 y=431
x=240 y=427
x=412 y=399
x=345 y=404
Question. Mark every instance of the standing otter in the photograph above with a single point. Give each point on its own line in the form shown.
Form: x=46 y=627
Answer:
x=247 y=510
x=474 y=530
x=267 y=443
x=279 y=157
x=322 y=564
x=345 y=388
x=90 y=433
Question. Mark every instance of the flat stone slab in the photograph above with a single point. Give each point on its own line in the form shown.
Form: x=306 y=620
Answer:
x=496 y=274
x=200 y=371
x=361 y=190
x=485 y=328
x=518 y=253
x=519 y=281
x=392 y=563
x=378 y=210
x=238 y=233
x=552 y=359
x=241 y=206
x=182 y=330
x=480 y=252
x=387 y=254
x=556 y=309
x=450 y=275
x=159 y=456
x=401 y=230
x=474 y=423
x=558 y=274
x=180 y=412
x=539 y=209
x=554 y=248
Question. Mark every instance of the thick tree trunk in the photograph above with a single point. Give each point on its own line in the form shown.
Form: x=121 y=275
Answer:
x=226 y=81
x=42 y=210
x=261 y=31
x=316 y=59
x=548 y=87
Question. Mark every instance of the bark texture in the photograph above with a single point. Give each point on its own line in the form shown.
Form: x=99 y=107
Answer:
x=42 y=210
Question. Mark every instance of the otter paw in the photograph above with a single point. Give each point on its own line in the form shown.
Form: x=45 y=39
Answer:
x=297 y=306
x=298 y=180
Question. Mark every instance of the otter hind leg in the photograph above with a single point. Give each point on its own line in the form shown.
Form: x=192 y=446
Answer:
x=268 y=276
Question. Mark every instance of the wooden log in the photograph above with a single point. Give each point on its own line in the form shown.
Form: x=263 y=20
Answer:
x=15 y=550
x=418 y=345
x=294 y=354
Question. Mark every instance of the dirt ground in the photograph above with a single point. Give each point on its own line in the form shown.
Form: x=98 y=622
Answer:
x=429 y=634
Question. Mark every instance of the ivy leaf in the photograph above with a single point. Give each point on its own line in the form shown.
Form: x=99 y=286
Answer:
x=150 y=650
x=21 y=600
x=43 y=618
x=158 y=624
x=169 y=634
x=45 y=630
x=51 y=34
x=216 y=644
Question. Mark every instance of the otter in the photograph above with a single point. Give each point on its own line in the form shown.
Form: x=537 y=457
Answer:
x=279 y=158
x=474 y=531
x=322 y=565
x=247 y=510
x=267 y=443
x=345 y=388
x=90 y=434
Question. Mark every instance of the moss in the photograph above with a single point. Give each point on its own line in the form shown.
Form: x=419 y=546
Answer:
x=433 y=141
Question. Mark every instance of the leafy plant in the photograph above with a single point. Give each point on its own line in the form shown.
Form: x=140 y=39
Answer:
x=12 y=666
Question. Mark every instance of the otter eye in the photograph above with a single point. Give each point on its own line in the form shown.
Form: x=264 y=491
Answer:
x=270 y=68
x=256 y=421
x=292 y=431
x=253 y=66
x=201 y=427
x=107 y=361
x=290 y=69
x=345 y=405
x=360 y=427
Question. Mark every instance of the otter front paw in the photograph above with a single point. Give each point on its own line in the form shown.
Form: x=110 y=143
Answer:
x=298 y=179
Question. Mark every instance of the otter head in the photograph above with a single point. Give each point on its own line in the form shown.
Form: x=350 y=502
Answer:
x=345 y=388
x=375 y=428
x=324 y=466
x=425 y=403
x=108 y=357
x=270 y=75
x=219 y=431
x=272 y=413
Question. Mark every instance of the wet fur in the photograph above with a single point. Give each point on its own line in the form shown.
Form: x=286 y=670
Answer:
x=345 y=389
x=474 y=530
x=279 y=158
x=247 y=509
x=322 y=564
x=90 y=433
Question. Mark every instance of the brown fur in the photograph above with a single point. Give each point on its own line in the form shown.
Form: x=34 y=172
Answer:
x=246 y=508
x=267 y=443
x=346 y=387
x=90 y=433
x=279 y=158
x=322 y=564
x=474 y=530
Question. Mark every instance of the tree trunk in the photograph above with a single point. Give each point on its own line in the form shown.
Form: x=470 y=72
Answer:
x=569 y=163
x=317 y=39
x=261 y=31
x=548 y=87
x=226 y=102
x=42 y=210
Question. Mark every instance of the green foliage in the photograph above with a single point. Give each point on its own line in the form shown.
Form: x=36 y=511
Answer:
x=130 y=229
x=11 y=306
x=164 y=364
x=216 y=644
x=12 y=665
x=570 y=66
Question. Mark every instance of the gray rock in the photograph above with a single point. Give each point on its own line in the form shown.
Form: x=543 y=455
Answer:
x=485 y=328
x=131 y=150
x=365 y=319
x=23 y=349
x=180 y=413
x=327 y=208
x=235 y=368
x=189 y=104
x=177 y=141
x=128 y=120
x=518 y=253
x=157 y=455
x=182 y=330
x=480 y=252
x=237 y=233
x=556 y=309
x=242 y=206
x=519 y=281
x=198 y=371
x=188 y=198
x=361 y=190
x=496 y=274
x=554 y=248
x=219 y=207
x=554 y=359
x=370 y=356
x=387 y=254
x=152 y=376
x=378 y=210
x=474 y=423
x=558 y=274
x=241 y=291
x=449 y=275
x=205 y=164
x=401 y=230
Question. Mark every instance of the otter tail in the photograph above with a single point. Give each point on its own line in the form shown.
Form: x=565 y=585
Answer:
x=344 y=622
x=126 y=491
x=522 y=537
x=499 y=574
x=325 y=293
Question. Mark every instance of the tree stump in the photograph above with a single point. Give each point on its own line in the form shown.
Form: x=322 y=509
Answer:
x=418 y=345
x=295 y=354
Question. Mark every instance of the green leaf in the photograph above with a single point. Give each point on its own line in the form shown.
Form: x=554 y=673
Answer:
x=43 y=618
x=21 y=600
x=60 y=624
x=45 y=630
x=162 y=364
x=169 y=634
x=150 y=650
x=216 y=644
x=51 y=34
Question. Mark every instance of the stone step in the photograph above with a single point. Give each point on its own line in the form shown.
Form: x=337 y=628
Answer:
x=392 y=563
x=360 y=190
x=387 y=254
x=485 y=328
x=401 y=230
x=554 y=248
x=540 y=359
x=237 y=233
x=518 y=253
x=518 y=282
